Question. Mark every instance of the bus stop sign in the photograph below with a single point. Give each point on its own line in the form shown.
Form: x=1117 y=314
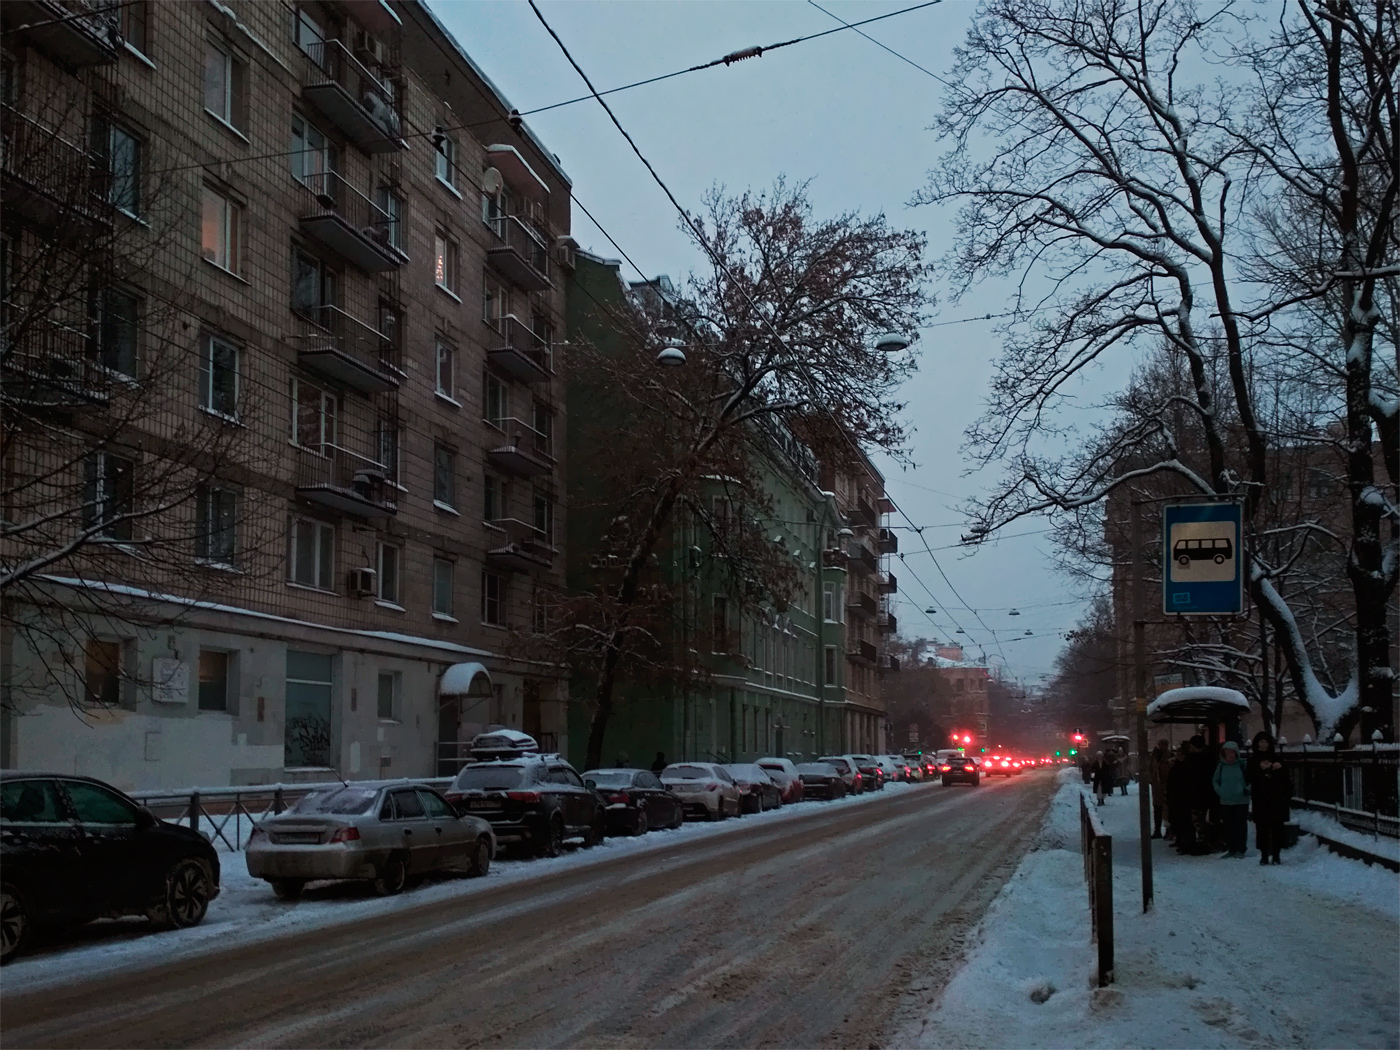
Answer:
x=1202 y=563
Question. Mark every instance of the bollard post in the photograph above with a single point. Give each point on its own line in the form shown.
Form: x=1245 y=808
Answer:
x=194 y=810
x=1103 y=907
x=276 y=801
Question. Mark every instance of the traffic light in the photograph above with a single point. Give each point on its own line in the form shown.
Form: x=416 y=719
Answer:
x=1072 y=751
x=1057 y=754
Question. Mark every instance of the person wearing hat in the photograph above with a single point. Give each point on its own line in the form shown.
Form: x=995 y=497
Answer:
x=1232 y=787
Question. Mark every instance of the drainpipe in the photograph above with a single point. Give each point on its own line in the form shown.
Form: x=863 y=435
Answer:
x=820 y=618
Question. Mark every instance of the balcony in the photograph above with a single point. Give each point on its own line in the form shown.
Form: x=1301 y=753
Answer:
x=833 y=558
x=348 y=223
x=525 y=547
x=888 y=663
x=862 y=652
x=888 y=622
x=519 y=254
x=525 y=453
x=50 y=181
x=863 y=559
x=74 y=33
x=50 y=365
x=359 y=97
x=344 y=481
x=887 y=583
x=885 y=505
x=518 y=352
x=337 y=346
x=860 y=602
x=888 y=542
x=865 y=513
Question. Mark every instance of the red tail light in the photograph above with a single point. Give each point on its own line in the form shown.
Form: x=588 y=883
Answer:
x=523 y=796
x=621 y=796
x=346 y=835
x=453 y=797
x=711 y=787
x=947 y=768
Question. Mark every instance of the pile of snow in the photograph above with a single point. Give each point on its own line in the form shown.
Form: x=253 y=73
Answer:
x=1315 y=823
x=1306 y=953
x=247 y=912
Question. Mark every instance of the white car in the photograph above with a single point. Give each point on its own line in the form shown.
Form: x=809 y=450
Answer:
x=894 y=769
x=704 y=788
x=785 y=774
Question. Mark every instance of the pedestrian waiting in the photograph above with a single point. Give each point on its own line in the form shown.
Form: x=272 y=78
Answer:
x=1232 y=788
x=1271 y=789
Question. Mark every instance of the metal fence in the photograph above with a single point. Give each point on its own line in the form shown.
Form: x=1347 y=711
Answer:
x=1096 y=844
x=1359 y=787
x=228 y=815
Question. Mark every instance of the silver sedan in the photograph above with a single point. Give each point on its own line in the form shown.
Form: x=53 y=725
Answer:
x=382 y=833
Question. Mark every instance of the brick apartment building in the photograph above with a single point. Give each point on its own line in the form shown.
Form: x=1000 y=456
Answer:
x=325 y=257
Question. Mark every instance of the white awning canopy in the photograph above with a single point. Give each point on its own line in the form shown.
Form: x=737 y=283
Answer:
x=465 y=680
x=1197 y=703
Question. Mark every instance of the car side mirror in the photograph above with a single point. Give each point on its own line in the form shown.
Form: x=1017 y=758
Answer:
x=145 y=819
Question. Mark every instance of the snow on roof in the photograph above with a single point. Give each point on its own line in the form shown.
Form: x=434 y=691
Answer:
x=499 y=739
x=944 y=662
x=459 y=679
x=1197 y=695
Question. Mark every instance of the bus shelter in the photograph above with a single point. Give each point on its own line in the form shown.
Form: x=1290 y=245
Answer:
x=1216 y=711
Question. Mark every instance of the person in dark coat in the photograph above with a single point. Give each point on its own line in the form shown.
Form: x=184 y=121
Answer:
x=1156 y=783
x=1098 y=770
x=658 y=763
x=1201 y=768
x=1179 y=800
x=1086 y=768
x=1271 y=789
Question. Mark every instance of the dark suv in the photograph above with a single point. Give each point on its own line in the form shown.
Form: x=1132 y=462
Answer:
x=537 y=801
x=955 y=767
x=73 y=849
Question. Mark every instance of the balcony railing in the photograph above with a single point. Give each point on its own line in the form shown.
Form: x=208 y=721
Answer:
x=865 y=513
x=862 y=652
x=48 y=179
x=888 y=662
x=861 y=602
x=358 y=97
x=50 y=365
x=834 y=558
x=346 y=481
x=524 y=452
x=520 y=254
x=517 y=351
x=524 y=547
x=888 y=583
x=888 y=542
x=74 y=33
x=888 y=622
x=348 y=223
x=863 y=559
x=340 y=347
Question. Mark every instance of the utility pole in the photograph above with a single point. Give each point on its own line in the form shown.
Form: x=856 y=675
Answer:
x=1140 y=702
x=820 y=618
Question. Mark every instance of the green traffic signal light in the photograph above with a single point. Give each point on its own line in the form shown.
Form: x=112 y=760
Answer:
x=1057 y=754
x=1072 y=751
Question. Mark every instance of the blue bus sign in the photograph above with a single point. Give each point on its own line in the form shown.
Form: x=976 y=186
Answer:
x=1202 y=560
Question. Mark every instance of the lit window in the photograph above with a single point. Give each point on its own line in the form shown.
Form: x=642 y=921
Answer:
x=445 y=263
x=221 y=231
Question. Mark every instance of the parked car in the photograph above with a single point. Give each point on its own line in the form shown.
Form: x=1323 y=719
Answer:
x=636 y=800
x=758 y=792
x=382 y=832
x=73 y=849
x=873 y=772
x=822 y=780
x=846 y=766
x=960 y=770
x=896 y=769
x=785 y=775
x=534 y=801
x=704 y=788
x=928 y=763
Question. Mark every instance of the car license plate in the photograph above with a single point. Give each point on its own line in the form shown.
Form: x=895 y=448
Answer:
x=299 y=838
x=482 y=803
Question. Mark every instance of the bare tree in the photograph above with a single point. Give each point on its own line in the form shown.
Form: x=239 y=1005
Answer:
x=1124 y=186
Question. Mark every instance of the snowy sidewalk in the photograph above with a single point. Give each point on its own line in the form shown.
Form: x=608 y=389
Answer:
x=1233 y=954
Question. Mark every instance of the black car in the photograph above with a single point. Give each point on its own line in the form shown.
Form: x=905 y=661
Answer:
x=636 y=799
x=73 y=849
x=537 y=801
x=872 y=773
x=962 y=769
x=821 y=780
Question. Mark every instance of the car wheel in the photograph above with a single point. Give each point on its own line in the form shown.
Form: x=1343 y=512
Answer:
x=680 y=818
x=15 y=923
x=719 y=813
x=184 y=898
x=288 y=889
x=976 y=781
x=481 y=858
x=393 y=875
x=553 y=843
x=642 y=823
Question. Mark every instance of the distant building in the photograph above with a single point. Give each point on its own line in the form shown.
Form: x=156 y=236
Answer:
x=963 y=685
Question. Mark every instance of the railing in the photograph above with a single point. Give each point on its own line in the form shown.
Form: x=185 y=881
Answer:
x=1360 y=786
x=519 y=239
x=862 y=602
x=372 y=90
x=345 y=481
x=349 y=223
x=889 y=623
x=53 y=364
x=77 y=32
x=888 y=583
x=512 y=338
x=888 y=542
x=862 y=651
x=864 y=557
x=1096 y=844
x=331 y=328
x=66 y=175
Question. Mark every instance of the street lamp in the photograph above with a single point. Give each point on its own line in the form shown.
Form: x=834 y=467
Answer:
x=891 y=343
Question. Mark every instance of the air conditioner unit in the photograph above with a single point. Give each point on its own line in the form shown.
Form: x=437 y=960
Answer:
x=362 y=582
x=369 y=46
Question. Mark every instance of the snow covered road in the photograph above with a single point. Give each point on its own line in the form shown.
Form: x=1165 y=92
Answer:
x=800 y=928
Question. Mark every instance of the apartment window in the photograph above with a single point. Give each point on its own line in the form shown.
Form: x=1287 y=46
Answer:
x=116 y=331
x=213 y=680
x=445 y=263
x=496 y=399
x=389 y=444
x=310 y=34
x=831 y=602
x=444 y=477
x=315 y=286
x=445 y=161
x=539 y=612
x=216 y=524
x=313 y=157
x=135 y=24
x=495 y=303
x=102 y=672
x=830 y=665
x=494 y=507
x=225 y=78
x=493 y=599
x=387 y=706
x=446 y=369
x=391 y=205
x=443 y=571
x=493 y=209
x=543 y=423
x=120 y=151
x=719 y=624
x=109 y=497
x=218 y=377
x=312 y=553
x=390 y=558
x=391 y=327
x=544 y=516
x=306 y=737
x=221 y=231
x=314 y=414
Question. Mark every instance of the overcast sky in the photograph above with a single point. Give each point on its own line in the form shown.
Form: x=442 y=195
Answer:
x=853 y=119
